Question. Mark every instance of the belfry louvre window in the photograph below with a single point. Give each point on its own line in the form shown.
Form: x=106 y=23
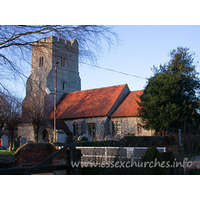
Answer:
x=41 y=61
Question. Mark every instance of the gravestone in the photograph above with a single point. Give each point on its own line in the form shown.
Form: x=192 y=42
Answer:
x=61 y=136
x=4 y=141
x=23 y=141
x=17 y=142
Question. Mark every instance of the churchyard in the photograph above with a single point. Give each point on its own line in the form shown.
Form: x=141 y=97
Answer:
x=5 y=143
x=103 y=157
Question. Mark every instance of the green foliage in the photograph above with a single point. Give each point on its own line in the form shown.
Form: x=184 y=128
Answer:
x=152 y=154
x=171 y=97
x=5 y=152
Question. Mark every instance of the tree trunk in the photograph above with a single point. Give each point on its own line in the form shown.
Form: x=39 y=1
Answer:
x=1 y=126
x=11 y=133
x=36 y=129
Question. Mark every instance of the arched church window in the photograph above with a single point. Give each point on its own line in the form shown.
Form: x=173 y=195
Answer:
x=92 y=130
x=75 y=128
x=114 y=128
x=45 y=135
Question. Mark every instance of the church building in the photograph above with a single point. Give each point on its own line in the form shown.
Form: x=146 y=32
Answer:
x=98 y=114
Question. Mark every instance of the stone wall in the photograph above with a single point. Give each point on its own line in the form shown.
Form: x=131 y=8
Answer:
x=8 y=159
x=26 y=130
x=32 y=154
x=104 y=126
x=101 y=126
x=130 y=125
x=29 y=154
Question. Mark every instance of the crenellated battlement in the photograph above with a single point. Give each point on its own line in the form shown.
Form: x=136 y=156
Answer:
x=57 y=41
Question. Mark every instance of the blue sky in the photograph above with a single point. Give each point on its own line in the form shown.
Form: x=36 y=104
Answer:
x=141 y=47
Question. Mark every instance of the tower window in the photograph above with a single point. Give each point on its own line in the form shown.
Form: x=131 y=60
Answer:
x=41 y=61
x=63 y=85
x=62 y=61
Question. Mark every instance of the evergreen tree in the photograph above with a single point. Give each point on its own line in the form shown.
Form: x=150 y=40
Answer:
x=171 y=97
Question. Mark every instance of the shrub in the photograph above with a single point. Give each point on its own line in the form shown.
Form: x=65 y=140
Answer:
x=152 y=154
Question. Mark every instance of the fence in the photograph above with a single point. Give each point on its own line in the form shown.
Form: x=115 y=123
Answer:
x=109 y=154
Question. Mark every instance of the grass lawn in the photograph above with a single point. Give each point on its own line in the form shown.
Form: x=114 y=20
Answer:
x=4 y=152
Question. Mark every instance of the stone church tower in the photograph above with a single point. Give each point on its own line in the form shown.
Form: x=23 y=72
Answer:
x=46 y=53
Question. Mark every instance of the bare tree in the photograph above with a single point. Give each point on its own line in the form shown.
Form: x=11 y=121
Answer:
x=3 y=106
x=35 y=108
x=16 y=43
x=13 y=118
x=10 y=113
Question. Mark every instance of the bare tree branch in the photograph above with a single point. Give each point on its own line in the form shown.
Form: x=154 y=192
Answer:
x=16 y=43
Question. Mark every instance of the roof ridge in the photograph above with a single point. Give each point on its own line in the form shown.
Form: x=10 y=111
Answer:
x=129 y=107
x=137 y=90
x=97 y=88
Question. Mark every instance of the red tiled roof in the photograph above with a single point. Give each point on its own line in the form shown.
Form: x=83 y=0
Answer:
x=88 y=103
x=129 y=107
